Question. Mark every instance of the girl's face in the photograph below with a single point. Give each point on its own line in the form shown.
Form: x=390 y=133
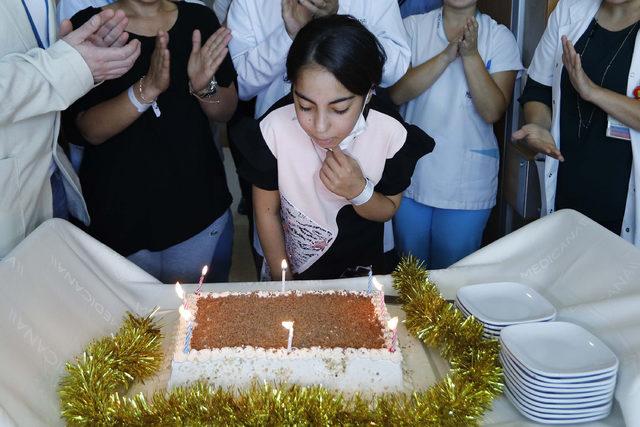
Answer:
x=326 y=110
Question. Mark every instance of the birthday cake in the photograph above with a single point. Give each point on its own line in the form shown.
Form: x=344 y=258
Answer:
x=339 y=340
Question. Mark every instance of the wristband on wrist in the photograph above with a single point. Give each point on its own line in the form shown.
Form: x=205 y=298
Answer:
x=139 y=105
x=365 y=195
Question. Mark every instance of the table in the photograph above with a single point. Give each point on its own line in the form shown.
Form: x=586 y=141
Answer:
x=60 y=289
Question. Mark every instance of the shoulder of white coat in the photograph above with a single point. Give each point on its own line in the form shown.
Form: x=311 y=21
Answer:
x=422 y=21
x=389 y=131
x=566 y=10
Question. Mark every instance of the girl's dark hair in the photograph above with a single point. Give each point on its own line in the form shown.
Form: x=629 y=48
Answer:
x=342 y=45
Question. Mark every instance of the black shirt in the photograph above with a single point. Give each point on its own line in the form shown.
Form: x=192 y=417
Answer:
x=594 y=178
x=161 y=180
x=359 y=241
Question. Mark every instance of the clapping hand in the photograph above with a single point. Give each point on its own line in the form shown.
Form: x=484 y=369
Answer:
x=341 y=174
x=573 y=64
x=205 y=60
x=469 y=41
x=101 y=43
x=295 y=16
x=451 y=52
x=158 y=77
x=111 y=32
x=539 y=140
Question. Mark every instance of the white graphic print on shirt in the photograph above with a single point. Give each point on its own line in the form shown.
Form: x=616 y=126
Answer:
x=305 y=240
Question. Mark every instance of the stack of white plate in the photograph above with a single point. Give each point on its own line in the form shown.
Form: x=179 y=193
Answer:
x=557 y=372
x=498 y=305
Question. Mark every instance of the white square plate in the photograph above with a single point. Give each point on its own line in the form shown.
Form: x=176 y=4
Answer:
x=505 y=303
x=587 y=385
x=553 y=418
x=560 y=408
x=558 y=350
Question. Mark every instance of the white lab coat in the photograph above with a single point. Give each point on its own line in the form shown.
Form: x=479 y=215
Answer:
x=36 y=84
x=571 y=18
x=260 y=44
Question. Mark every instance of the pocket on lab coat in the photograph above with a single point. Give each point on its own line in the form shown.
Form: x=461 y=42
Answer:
x=12 y=229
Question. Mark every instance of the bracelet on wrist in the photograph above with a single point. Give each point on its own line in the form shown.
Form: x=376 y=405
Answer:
x=153 y=103
x=206 y=94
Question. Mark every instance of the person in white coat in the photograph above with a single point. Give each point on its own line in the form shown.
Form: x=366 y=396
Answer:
x=263 y=31
x=39 y=77
x=581 y=110
x=464 y=65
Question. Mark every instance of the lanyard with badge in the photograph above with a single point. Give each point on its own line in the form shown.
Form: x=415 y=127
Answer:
x=36 y=33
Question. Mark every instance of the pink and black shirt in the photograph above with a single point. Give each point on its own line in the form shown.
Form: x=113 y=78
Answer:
x=324 y=236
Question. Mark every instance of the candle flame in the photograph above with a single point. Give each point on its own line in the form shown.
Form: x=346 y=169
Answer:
x=377 y=284
x=186 y=314
x=205 y=270
x=284 y=264
x=287 y=325
x=392 y=323
x=179 y=291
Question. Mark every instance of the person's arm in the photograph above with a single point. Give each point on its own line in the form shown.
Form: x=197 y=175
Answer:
x=120 y=112
x=259 y=64
x=342 y=175
x=535 y=134
x=266 y=207
x=620 y=106
x=223 y=106
x=491 y=93
x=420 y=78
x=387 y=26
x=44 y=80
x=379 y=208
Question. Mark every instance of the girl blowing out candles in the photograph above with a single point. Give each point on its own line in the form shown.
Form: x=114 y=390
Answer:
x=329 y=162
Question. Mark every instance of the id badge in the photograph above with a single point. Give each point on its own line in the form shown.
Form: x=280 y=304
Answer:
x=617 y=130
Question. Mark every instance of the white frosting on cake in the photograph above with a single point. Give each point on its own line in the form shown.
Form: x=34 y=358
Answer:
x=344 y=369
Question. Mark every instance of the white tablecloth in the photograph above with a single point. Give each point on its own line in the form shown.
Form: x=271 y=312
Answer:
x=60 y=289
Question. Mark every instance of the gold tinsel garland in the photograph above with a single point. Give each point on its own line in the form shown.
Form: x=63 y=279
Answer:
x=90 y=393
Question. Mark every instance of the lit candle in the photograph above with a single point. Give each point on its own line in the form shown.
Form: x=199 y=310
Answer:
x=205 y=270
x=180 y=293
x=185 y=314
x=393 y=325
x=380 y=289
x=283 y=265
x=370 y=284
x=289 y=327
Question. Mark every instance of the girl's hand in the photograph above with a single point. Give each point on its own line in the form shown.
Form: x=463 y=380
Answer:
x=539 y=140
x=469 y=43
x=158 y=77
x=342 y=175
x=573 y=64
x=205 y=60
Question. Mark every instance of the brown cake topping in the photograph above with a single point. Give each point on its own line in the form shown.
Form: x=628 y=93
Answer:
x=320 y=320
